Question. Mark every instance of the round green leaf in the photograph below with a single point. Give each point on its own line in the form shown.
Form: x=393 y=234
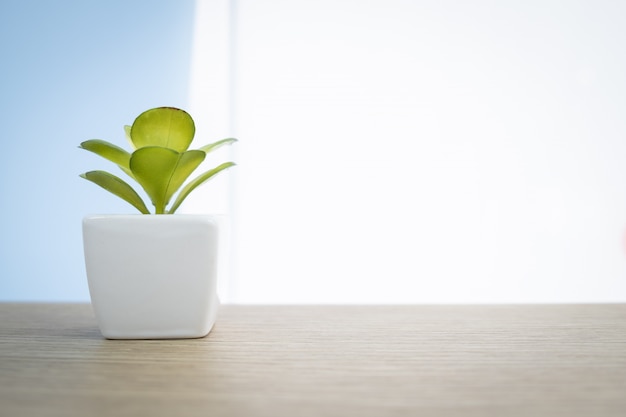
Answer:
x=108 y=151
x=127 y=134
x=193 y=184
x=116 y=186
x=161 y=171
x=166 y=127
x=187 y=163
x=213 y=146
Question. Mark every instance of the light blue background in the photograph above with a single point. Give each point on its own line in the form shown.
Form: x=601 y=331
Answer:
x=71 y=71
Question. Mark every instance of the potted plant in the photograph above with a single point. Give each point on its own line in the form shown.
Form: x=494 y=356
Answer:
x=153 y=275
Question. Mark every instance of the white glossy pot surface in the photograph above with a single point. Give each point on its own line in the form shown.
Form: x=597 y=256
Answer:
x=152 y=276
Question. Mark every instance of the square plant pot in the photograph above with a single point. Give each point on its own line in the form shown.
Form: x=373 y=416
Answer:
x=152 y=276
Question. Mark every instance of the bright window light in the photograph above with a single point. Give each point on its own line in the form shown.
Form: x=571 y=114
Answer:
x=420 y=151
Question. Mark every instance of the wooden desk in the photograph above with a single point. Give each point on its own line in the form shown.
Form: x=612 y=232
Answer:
x=558 y=360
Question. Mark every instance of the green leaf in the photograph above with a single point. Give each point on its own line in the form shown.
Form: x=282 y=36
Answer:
x=127 y=133
x=118 y=187
x=213 y=146
x=161 y=171
x=110 y=152
x=202 y=178
x=187 y=163
x=166 y=127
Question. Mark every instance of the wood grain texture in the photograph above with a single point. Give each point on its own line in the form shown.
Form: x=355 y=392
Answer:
x=540 y=360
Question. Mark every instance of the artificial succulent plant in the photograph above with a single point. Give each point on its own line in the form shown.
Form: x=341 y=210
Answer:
x=160 y=161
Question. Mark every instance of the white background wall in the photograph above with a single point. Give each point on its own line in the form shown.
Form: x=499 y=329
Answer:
x=429 y=151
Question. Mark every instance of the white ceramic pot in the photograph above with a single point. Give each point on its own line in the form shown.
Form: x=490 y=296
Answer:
x=152 y=276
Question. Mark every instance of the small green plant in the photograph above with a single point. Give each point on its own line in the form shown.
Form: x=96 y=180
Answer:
x=160 y=161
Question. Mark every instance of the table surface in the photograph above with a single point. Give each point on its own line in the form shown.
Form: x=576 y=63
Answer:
x=495 y=360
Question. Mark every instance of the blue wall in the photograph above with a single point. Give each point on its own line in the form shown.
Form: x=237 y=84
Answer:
x=71 y=71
